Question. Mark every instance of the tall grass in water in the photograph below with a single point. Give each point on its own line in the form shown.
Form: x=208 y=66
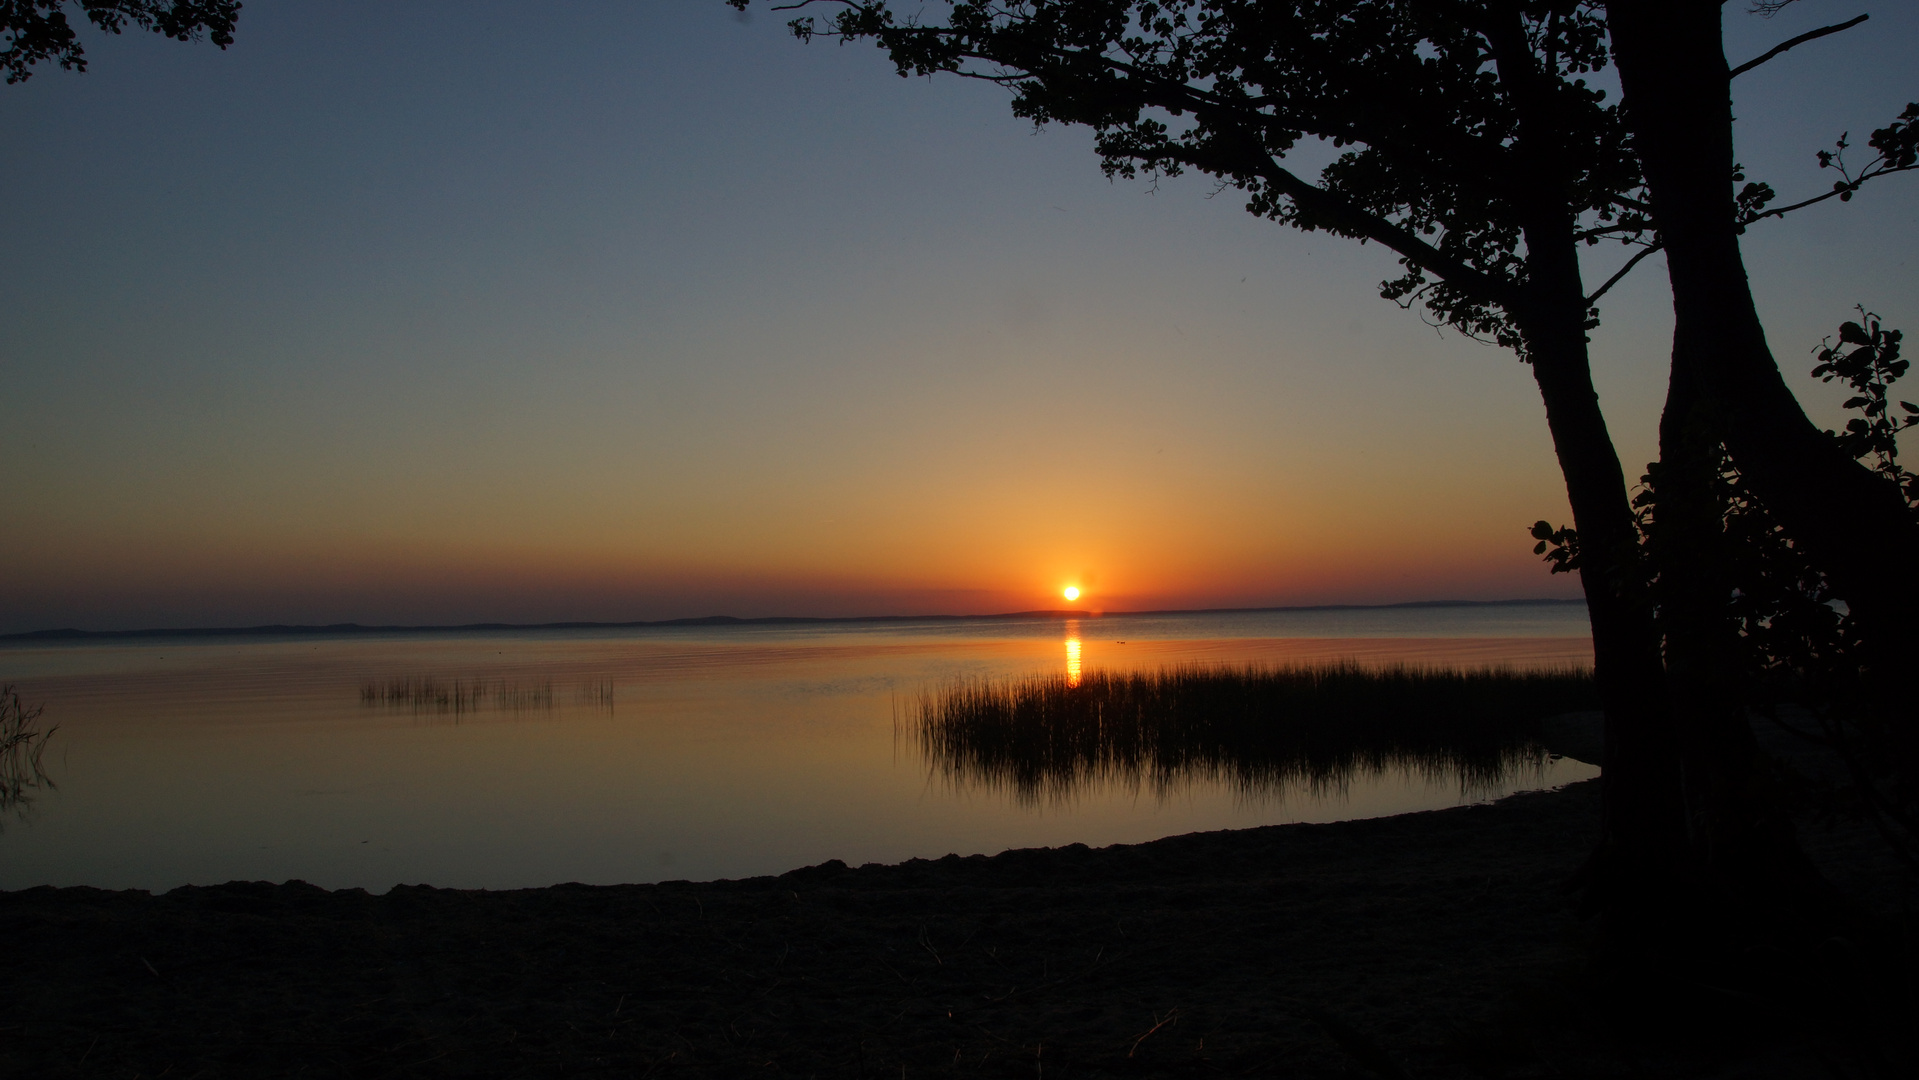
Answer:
x=598 y=694
x=22 y=743
x=429 y=695
x=459 y=696
x=1263 y=730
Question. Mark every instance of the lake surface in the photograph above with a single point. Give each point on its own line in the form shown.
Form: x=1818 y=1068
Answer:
x=504 y=759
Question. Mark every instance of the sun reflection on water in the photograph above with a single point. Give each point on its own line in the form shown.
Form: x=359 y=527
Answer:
x=1072 y=652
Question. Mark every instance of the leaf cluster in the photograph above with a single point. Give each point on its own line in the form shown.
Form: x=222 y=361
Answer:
x=1559 y=547
x=1867 y=359
x=1897 y=146
x=34 y=31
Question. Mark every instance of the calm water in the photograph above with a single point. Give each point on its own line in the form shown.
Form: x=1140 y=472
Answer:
x=507 y=759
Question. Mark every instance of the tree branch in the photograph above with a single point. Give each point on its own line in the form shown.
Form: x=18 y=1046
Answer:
x=1335 y=210
x=1839 y=191
x=1810 y=35
x=1236 y=149
x=1623 y=271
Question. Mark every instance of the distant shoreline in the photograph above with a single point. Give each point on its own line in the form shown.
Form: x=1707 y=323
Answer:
x=340 y=629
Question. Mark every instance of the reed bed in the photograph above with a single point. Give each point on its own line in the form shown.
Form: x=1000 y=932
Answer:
x=598 y=694
x=430 y=695
x=22 y=744
x=1263 y=730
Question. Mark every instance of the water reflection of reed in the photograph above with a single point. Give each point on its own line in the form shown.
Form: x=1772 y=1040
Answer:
x=22 y=744
x=1265 y=731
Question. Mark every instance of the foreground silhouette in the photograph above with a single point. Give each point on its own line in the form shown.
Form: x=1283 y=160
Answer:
x=38 y=31
x=1429 y=945
x=1475 y=147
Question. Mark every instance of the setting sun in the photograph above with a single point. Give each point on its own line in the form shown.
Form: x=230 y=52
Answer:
x=1072 y=592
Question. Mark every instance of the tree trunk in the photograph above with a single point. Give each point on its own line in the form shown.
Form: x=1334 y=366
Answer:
x=1642 y=838
x=1644 y=823
x=1747 y=879
x=1852 y=523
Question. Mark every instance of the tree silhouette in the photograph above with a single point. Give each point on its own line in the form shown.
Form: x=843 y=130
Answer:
x=1676 y=81
x=1469 y=142
x=38 y=30
x=1755 y=519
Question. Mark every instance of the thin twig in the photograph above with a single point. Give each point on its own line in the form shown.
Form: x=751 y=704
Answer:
x=1170 y=1017
x=1624 y=270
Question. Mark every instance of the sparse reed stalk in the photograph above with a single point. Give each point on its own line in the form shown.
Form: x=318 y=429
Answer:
x=22 y=744
x=459 y=696
x=1263 y=730
x=598 y=694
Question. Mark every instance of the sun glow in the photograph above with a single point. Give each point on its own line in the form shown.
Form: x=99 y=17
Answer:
x=1072 y=592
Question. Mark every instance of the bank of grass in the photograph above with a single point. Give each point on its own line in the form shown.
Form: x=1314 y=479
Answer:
x=1263 y=729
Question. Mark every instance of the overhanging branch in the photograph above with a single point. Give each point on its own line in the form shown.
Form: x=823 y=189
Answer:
x=1356 y=222
x=1811 y=35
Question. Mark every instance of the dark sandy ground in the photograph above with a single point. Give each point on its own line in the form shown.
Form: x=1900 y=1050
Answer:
x=1441 y=944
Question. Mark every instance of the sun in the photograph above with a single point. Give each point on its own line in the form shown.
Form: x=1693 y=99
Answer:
x=1072 y=592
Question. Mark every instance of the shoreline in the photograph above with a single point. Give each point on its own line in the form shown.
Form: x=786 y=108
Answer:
x=1443 y=943
x=1191 y=952
x=1437 y=944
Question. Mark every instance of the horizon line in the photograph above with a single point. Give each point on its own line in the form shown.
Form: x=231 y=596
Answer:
x=72 y=633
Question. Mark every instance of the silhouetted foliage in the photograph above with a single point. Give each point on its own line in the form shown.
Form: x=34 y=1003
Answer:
x=1805 y=652
x=1466 y=137
x=1800 y=655
x=1867 y=359
x=38 y=30
x=1898 y=151
x=1559 y=547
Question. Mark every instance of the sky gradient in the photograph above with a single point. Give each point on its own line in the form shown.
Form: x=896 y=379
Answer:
x=443 y=312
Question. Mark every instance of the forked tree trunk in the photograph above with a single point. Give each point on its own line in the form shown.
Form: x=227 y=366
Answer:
x=1852 y=523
